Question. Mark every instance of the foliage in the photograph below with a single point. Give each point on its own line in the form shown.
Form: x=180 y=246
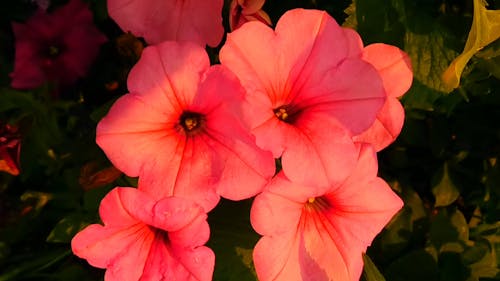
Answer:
x=445 y=164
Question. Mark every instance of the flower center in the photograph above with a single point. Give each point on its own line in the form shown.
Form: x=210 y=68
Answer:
x=191 y=121
x=317 y=204
x=282 y=113
x=54 y=51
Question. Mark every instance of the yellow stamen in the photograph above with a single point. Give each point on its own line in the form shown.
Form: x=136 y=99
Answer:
x=190 y=123
x=311 y=200
x=281 y=114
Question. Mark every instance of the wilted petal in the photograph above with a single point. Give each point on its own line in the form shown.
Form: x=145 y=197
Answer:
x=10 y=149
x=242 y=11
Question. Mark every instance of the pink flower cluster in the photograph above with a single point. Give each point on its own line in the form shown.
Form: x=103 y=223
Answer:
x=307 y=92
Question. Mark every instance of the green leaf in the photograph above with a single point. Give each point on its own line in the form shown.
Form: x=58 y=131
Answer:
x=460 y=224
x=12 y=99
x=370 y=271
x=232 y=240
x=92 y=198
x=415 y=266
x=351 y=20
x=378 y=21
x=430 y=56
x=420 y=97
x=447 y=228
x=485 y=29
x=101 y=111
x=39 y=263
x=487 y=265
x=451 y=267
x=66 y=228
x=445 y=190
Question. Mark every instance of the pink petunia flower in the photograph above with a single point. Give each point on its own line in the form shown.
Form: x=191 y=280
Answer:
x=394 y=66
x=161 y=20
x=58 y=47
x=312 y=89
x=242 y=11
x=319 y=233
x=144 y=239
x=181 y=129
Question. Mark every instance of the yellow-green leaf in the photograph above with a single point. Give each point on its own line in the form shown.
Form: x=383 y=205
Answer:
x=445 y=190
x=370 y=271
x=485 y=29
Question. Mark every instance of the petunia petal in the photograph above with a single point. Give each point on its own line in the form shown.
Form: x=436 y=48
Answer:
x=277 y=210
x=157 y=21
x=272 y=135
x=168 y=75
x=319 y=251
x=125 y=255
x=306 y=45
x=173 y=214
x=246 y=57
x=187 y=170
x=386 y=127
x=133 y=129
x=115 y=208
x=319 y=151
x=276 y=258
x=353 y=87
x=245 y=168
x=356 y=214
x=201 y=263
x=168 y=260
x=393 y=65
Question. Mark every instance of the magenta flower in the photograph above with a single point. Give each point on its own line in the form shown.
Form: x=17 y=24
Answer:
x=319 y=233
x=181 y=129
x=394 y=66
x=161 y=20
x=242 y=11
x=144 y=239
x=58 y=47
x=312 y=89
